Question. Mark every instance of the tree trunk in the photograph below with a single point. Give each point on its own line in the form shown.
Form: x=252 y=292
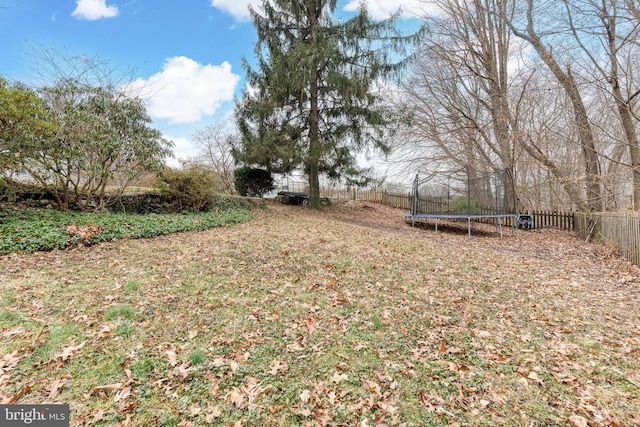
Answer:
x=623 y=107
x=585 y=134
x=314 y=119
x=569 y=187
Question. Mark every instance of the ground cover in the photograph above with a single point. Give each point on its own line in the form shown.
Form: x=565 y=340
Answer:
x=26 y=230
x=342 y=317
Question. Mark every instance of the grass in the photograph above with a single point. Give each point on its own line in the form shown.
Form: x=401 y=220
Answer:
x=302 y=318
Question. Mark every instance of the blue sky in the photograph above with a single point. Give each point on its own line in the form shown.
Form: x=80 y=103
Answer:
x=188 y=51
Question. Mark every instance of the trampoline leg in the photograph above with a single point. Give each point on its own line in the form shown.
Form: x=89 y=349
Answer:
x=469 y=226
x=436 y=224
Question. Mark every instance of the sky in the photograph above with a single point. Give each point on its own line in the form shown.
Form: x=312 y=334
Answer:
x=189 y=51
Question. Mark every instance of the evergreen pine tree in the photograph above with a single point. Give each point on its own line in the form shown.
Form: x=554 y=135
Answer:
x=313 y=100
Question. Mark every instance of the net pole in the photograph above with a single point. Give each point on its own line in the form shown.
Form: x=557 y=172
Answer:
x=414 y=208
x=468 y=201
x=511 y=177
x=468 y=191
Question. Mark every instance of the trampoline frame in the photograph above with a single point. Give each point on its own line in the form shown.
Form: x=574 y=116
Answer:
x=497 y=217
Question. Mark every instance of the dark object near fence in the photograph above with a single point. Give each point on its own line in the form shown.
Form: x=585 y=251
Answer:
x=294 y=198
x=525 y=221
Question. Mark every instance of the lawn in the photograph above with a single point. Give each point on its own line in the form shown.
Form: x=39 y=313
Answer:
x=344 y=317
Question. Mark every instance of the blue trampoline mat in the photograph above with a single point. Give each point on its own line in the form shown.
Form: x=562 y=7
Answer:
x=451 y=216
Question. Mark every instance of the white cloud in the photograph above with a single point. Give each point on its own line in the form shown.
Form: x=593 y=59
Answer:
x=378 y=9
x=382 y=9
x=94 y=9
x=239 y=9
x=183 y=149
x=185 y=90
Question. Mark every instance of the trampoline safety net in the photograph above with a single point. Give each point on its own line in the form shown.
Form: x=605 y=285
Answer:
x=464 y=193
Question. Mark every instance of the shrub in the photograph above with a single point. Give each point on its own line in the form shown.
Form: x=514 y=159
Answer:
x=252 y=181
x=460 y=205
x=190 y=188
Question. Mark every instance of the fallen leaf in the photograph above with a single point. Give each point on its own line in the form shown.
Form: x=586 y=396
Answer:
x=534 y=377
x=322 y=416
x=214 y=388
x=10 y=360
x=276 y=366
x=17 y=330
x=105 y=332
x=337 y=377
x=108 y=387
x=184 y=370
x=193 y=333
x=236 y=397
x=305 y=395
x=122 y=394
x=306 y=412
x=578 y=421
x=311 y=325
x=8 y=400
x=344 y=356
x=218 y=362
x=195 y=409
x=55 y=386
x=68 y=351
x=98 y=415
x=212 y=412
x=173 y=358
x=432 y=401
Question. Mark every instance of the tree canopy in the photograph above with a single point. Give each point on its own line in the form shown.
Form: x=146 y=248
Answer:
x=23 y=121
x=74 y=138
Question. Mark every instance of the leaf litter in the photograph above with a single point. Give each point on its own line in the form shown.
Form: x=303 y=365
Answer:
x=343 y=317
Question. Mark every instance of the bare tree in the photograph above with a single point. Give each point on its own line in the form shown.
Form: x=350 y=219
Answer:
x=458 y=95
x=616 y=32
x=216 y=142
x=565 y=76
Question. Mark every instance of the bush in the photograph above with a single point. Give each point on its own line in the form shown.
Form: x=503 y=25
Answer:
x=191 y=188
x=460 y=206
x=252 y=181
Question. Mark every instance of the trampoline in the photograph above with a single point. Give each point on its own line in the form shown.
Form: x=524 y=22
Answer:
x=465 y=195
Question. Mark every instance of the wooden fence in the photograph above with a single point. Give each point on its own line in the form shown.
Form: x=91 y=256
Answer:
x=620 y=230
x=555 y=219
